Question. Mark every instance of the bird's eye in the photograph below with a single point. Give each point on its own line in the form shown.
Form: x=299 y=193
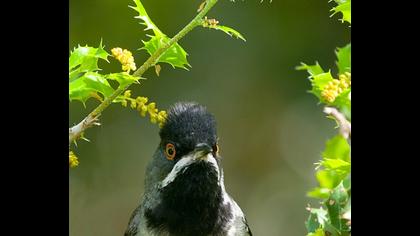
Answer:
x=216 y=149
x=170 y=151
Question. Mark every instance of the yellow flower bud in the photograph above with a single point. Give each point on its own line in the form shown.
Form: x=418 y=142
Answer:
x=73 y=160
x=329 y=95
x=125 y=67
x=163 y=114
x=124 y=103
x=127 y=53
x=335 y=87
x=348 y=74
x=152 y=108
x=125 y=57
x=141 y=100
x=160 y=118
x=127 y=93
x=143 y=110
x=116 y=51
x=153 y=118
x=345 y=79
x=133 y=104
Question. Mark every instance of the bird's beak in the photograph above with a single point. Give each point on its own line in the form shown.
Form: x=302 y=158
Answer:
x=201 y=150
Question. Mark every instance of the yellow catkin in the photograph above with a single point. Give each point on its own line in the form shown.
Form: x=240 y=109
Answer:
x=73 y=160
x=143 y=107
x=335 y=87
x=125 y=57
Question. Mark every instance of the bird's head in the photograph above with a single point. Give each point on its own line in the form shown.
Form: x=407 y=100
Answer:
x=188 y=147
x=185 y=193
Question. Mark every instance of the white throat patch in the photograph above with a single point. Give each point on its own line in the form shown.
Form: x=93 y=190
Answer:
x=185 y=162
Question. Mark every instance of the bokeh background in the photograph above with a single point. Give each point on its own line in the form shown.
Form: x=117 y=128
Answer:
x=271 y=130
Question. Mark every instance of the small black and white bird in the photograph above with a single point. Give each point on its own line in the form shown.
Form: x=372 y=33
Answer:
x=184 y=189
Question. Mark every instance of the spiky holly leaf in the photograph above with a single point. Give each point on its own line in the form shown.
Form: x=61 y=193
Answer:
x=312 y=223
x=123 y=78
x=316 y=219
x=231 y=32
x=337 y=148
x=311 y=69
x=175 y=55
x=146 y=21
x=347 y=184
x=330 y=230
x=319 y=82
x=335 y=207
x=336 y=161
x=89 y=85
x=318 y=232
x=344 y=59
x=327 y=179
x=342 y=168
x=343 y=6
x=318 y=78
x=347 y=210
x=343 y=102
x=346 y=213
x=321 y=193
x=85 y=59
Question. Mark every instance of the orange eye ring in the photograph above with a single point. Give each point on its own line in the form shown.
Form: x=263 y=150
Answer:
x=170 y=151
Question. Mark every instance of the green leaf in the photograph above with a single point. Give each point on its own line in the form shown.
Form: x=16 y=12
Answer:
x=330 y=230
x=85 y=59
x=312 y=70
x=327 y=178
x=175 y=55
x=231 y=32
x=320 y=79
x=139 y=8
x=346 y=215
x=343 y=103
x=347 y=183
x=322 y=193
x=341 y=167
x=319 y=82
x=344 y=59
x=343 y=6
x=337 y=148
x=123 y=78
x=335 y=206
x=316 y=219
x=318 y=232
x=347 y=210
x=339 y=195
x=87 y=86
x=312 y=223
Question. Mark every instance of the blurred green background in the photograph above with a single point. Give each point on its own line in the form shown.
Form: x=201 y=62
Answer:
x=271 y=130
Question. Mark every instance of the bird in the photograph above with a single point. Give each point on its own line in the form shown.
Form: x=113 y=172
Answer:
x=184 y=191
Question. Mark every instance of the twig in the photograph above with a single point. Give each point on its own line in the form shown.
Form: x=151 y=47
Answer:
x=77 y=130
x=345 y=125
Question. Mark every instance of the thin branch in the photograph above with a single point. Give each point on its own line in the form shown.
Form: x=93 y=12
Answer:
x=77 y=130
x=345 y=125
